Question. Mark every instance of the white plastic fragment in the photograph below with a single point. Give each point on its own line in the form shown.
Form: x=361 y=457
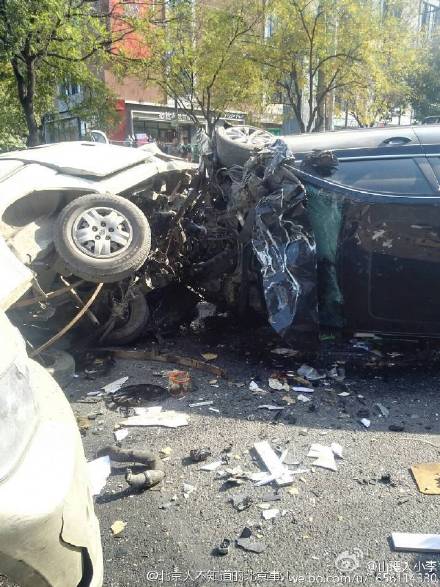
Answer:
x=344 y=394
x=275 y=467
x=416 y=542
x=200 y=404
x=270 y=407
x=120 y=434
x=211 y=466
x=254 y=386
x=303 y=398
x=324 y=456
x=98 y=471
x=216 y=410
x=303 y=389
x=310 y=373
x=270 y=514
x=155 y=417
x=366 y=422
x=337 y=449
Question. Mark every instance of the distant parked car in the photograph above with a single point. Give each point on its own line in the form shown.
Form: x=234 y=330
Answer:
x=431 y=120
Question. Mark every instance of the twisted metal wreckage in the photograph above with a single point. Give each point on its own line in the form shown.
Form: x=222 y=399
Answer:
x=244 y=237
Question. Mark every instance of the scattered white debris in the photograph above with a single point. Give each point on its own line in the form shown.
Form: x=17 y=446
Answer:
x=118 y=527
x=155 y=417
x=303 y=389
x=344 y=394
x=278 y=385
x=324 y=456
x=187 y=490
x=114 y=386
x=416 y=542
x=303 y=398
x=270 y=407
x=337 y=449
x=209 y=356
x=120 y=434
x=280 y=472
x=216 y=410
x=366 y=422
x=99 y=471
x=284 y=352
x=270 y=514
x=253 y=386
x=310 y=373
x=200 y=404
x=211 y=466
x=385 y=412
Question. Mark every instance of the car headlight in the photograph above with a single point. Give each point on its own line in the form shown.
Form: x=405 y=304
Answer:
x=18 y=408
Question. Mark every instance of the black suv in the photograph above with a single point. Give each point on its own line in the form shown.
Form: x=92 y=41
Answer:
x=376 y=218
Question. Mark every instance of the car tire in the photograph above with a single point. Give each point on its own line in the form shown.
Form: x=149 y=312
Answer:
x=236 y=143
x=125 y=233
x=135 y=325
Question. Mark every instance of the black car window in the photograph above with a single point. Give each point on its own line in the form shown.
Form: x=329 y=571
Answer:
x=435 y=162
x=391 y=176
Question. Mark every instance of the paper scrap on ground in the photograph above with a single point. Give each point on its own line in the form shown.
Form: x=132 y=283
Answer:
x=303 y=398
x=98 y=471
x=416 y=542
x=270 y=514
x=427 y=477
x=155 y=417
x=344 y=394
x=254 y=386
x=114 y=386
x=324 y=456
x=211 y=466
x=278 y=385
x=120 y=434
x=366 y=422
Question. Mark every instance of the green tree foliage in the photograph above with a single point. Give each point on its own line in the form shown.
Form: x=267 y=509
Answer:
x=199 y=57
x=44 y=43
x=391 y=54
x=349 y=50
x=424 y=83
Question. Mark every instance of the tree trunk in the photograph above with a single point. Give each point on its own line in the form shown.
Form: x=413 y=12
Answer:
x=320 y=98
x=34 y=137
x=26 y=94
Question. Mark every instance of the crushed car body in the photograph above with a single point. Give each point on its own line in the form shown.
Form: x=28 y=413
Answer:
x=345 y=239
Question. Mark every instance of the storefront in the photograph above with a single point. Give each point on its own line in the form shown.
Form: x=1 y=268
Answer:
x=166 y=126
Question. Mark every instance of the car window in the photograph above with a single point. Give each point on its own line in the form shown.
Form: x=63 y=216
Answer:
x=435 y=162
x=392 y=176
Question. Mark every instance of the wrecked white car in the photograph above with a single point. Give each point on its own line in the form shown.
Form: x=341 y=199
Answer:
x=49 y=534
x=70 y=209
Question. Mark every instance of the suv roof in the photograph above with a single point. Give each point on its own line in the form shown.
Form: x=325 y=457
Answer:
x=364 y=138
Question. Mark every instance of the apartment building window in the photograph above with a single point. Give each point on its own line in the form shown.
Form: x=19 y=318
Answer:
x=70 y=89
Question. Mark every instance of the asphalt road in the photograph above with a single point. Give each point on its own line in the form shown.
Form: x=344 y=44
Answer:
x=331 y=522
